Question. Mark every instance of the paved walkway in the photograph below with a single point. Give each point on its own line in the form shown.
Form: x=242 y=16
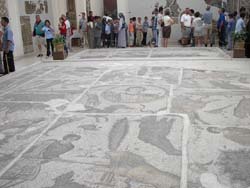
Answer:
x=127 y=118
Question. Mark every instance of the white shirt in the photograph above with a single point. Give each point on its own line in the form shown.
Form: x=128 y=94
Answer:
x=186 y=19
x=67 y=23
x=160 y=16
x=167 y=21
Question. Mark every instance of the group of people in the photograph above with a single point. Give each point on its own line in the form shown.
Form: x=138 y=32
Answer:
x=199 y=30
x=44 y=34
x=96 y=32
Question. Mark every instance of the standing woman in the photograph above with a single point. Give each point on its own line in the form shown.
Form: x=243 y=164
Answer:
x=166 y=30
x=247 y=43
x=198 y=29
x=63 y=32
x=122 y=32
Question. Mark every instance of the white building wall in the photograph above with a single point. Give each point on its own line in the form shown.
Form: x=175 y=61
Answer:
x=97 y=7
x=123 y=7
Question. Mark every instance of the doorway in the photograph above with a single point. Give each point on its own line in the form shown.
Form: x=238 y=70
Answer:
x=71 y=9
x=110 y=8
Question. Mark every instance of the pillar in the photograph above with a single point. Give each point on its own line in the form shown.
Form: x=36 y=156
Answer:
x=14 y=16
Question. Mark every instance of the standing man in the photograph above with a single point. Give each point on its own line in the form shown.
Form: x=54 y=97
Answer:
x=83 y=25
x=240 y=24
x=155 y=28
x=207 y=19
x=145 y=30
x=39 y=35
x=160 y=16
x=221 y=26
x=8 y=47
x=186 y=23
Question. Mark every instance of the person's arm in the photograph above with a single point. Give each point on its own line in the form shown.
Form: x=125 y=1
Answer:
x=171 y=21
x=51 y=29
x=9 y=41
x=182 y=22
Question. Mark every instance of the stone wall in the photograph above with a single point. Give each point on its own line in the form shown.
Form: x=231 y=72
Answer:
x=3 y=8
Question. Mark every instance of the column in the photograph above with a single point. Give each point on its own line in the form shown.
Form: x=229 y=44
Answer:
x=14 y=16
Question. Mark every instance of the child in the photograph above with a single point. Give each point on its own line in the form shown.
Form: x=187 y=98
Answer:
x=230 y=31
x=115 y=32
x=131 y=31
x=49 y=35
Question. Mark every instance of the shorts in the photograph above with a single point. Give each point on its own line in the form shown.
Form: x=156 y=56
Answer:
x=208 y=28
x=39 y=40
x=199 y=32
x=166 y=32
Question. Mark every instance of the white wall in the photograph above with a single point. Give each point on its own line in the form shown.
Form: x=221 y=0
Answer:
x=14 y=15
x=97 y=7
x=123 y=7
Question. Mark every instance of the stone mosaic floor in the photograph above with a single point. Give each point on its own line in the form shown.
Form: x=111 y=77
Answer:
x=127 y=119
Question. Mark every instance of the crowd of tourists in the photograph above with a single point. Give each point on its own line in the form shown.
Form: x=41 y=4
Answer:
x=198 y=29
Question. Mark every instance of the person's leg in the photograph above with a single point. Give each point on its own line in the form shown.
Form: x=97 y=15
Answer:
x=39 y=45
x=5 y=63
x=48 y=47
x=86 y=44
x=206 y=35
x=166 y=43
x=82 y=38
x=223 y=36
x=11 y=61
x=108 y=40
x=209 y=33
x=52 y=46
x=157 y=37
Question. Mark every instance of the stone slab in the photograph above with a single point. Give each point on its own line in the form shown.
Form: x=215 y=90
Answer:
x=219 y=156
x=108 y=151
x=229 y=108
x=125 y=99
x=215 y=80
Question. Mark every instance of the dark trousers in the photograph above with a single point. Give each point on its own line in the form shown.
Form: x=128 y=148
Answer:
x=50 y=45
x=135 y=39
x=107 y=40
x=115 y=39
x=144 y=41
x=8 y=62
x=222 y=37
